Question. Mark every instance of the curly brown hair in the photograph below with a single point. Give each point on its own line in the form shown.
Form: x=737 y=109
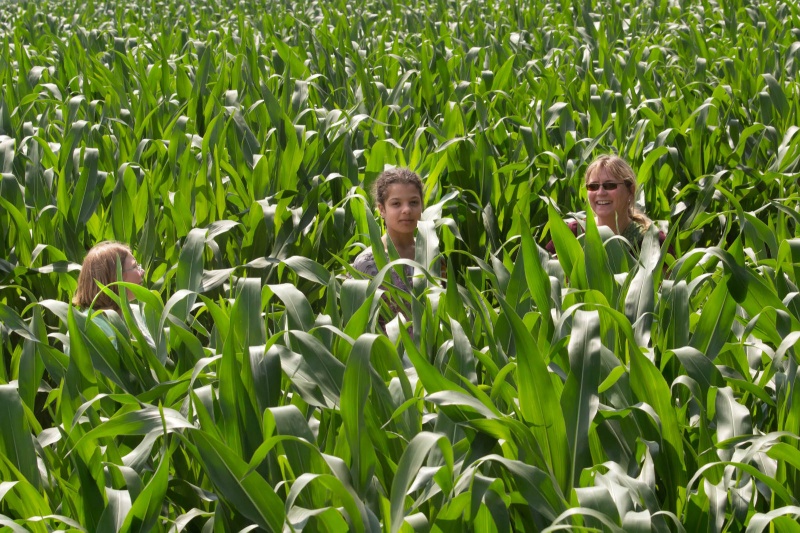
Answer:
x=100 y=266
x=394 y=176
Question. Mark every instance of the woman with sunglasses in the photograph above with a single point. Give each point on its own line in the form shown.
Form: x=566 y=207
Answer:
x=100 y=266
x=611 y=186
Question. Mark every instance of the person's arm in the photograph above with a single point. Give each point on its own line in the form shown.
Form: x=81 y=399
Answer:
x=551 y=247
x=662 y=237
x=365 y=263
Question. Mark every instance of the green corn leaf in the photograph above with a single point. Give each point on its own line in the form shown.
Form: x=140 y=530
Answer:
x=190 y=269
x=732 y=418
x=760 y=521
x=640 y=299
x=714 y=326
x=598 y=273
x=540 y=491
x=649 y=386
x=298 y=310
x=774 y=485
x=537 y=279
x=580 y=400
x=16 y=439
x=20 y=497
x=410 y=463
x=246 y=491
x=699 y=368
x=355 y=393
x=141 y=422
x=785 y=452
x=246 y=319
x=114 y=515
x=538 y=400
x=568 y=249
x=320 y=365
x=356 y=512
x=145 y=511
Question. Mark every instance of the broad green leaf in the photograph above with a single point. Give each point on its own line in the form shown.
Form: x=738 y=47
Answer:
x=298 y=310
x=649 y=386
x=246 y=320
x=733 y=419
x=537 y=279
x=355 y=394
x=246 y=491
x=15 y=437
x=699 y=368
x=145 y=511
x=190 y=269
x=538 y=399
x=413 y=458
x=760 y=521
x=140 y=422
x=713 y=328
x=568 y=250
x=598 y=271
x=356 y=512
x=323 y=369
x=640 y=299
x=579 y=399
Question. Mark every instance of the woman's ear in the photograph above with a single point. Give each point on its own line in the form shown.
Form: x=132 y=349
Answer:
x=381 y=210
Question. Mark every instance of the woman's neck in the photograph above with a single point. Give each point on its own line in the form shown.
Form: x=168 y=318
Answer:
x=617 y=225
x=404 y=243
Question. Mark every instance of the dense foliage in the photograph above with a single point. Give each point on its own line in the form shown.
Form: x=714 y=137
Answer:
x=230 y=144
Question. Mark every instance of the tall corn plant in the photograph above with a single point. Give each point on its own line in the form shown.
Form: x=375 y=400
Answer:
x=252 y=386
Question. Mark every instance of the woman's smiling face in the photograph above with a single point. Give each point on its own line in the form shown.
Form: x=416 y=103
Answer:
x=610 y=207
x=402 y=209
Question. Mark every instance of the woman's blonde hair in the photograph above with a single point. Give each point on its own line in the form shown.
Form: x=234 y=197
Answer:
x=100 y=266
x=619 y=169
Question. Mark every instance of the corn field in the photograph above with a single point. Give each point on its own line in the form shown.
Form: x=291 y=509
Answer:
x=251 y=387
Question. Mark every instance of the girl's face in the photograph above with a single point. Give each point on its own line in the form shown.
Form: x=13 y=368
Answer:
x=132 y=272
x=402 y=209
x=610 y=205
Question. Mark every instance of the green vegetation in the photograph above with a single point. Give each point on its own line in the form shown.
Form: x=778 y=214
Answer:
x=230 y=144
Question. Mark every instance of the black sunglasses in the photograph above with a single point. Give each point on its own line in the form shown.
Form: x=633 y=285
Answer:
x=607 y=185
